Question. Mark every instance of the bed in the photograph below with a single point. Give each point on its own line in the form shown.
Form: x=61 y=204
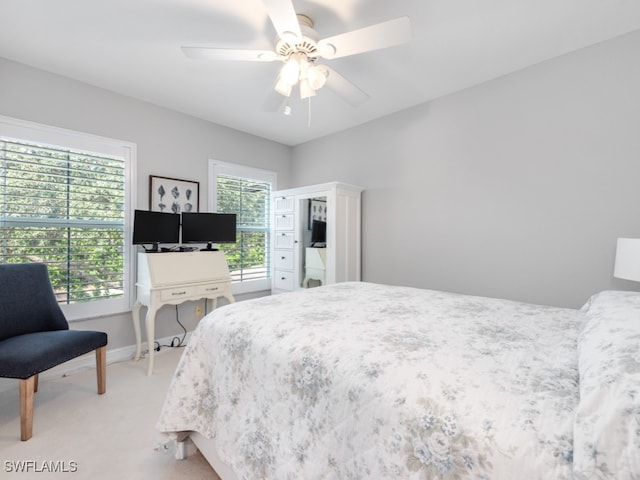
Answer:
x=365 y=381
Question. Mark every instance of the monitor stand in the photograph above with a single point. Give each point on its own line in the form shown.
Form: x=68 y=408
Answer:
x=154 y=248
x=209 y=248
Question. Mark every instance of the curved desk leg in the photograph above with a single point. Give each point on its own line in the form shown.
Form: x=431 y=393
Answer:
x=214 y=301
x=150 y=324
x=135 y=316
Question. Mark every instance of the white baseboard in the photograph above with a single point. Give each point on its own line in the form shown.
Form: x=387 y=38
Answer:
x=89 y=361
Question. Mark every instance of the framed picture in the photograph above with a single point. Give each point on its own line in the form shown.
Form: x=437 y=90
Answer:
x=173 y=195
x=317 y=211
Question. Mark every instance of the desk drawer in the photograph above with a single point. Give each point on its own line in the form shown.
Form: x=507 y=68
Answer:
x=283 y=280
x=176 y=293
x=283 y=259
x=206 y=290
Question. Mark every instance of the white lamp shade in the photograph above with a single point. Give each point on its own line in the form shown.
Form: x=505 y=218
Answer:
x=627 y=264
x=283 y=87
x=316 y=77
x=306 y=90
x=290 y=71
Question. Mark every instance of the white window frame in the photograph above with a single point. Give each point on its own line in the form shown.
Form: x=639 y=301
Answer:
x=48 y=135
x=224 y=168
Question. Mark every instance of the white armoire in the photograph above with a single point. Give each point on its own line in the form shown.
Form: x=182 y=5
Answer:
x=298 y=262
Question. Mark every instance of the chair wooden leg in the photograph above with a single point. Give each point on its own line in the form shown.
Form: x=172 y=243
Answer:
x=26 y=388
x=101 y=368
x=35 y=383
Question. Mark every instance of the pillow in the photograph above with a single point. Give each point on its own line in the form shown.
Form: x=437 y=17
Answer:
x=607 y=421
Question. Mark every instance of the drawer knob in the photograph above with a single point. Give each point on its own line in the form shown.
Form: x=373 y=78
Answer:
x=283 y=258
x=178 y=293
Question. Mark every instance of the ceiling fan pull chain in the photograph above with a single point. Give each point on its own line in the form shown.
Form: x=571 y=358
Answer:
x=309 y=115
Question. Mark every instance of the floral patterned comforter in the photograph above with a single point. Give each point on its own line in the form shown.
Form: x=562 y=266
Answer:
x=365 y=381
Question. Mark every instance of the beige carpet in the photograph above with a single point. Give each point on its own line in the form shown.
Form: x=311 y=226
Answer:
x=101 y=437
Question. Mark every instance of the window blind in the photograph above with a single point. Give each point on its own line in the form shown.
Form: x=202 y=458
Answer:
x=65 y=208
x=249 y=257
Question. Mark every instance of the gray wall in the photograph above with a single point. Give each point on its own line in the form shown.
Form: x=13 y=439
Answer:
x=516 y=188
x=168 y=144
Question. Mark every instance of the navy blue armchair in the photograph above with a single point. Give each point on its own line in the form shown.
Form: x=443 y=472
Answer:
x=35 y=335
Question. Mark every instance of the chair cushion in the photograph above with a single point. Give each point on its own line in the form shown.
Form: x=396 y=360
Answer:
x=27 y=301
x=25 y=355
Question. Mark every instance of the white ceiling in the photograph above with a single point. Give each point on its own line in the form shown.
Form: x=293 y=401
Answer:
x=133 y=47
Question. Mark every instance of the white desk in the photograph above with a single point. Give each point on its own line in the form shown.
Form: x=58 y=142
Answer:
x=171 y=278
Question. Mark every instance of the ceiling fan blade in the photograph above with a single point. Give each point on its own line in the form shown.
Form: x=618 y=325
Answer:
x=206 y=53
x=374 y=37
x=343 y=87
x=283 y=17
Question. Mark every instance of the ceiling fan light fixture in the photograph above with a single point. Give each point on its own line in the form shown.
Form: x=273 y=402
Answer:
x=291 y=70
x=299 y=46
x=306 y=90
x=316 y=77
x=283 y=87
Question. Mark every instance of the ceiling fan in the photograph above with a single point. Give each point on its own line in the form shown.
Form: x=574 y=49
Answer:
x=300 y=48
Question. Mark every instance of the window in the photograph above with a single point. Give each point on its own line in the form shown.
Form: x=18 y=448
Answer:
x=64 y=201
x=246 y=192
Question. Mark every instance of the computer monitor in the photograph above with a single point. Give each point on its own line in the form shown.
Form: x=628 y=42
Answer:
x=318 y=233
x=154 y=228
x=208 y=228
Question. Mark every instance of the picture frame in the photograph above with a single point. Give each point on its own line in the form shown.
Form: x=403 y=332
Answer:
x=173 y=195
